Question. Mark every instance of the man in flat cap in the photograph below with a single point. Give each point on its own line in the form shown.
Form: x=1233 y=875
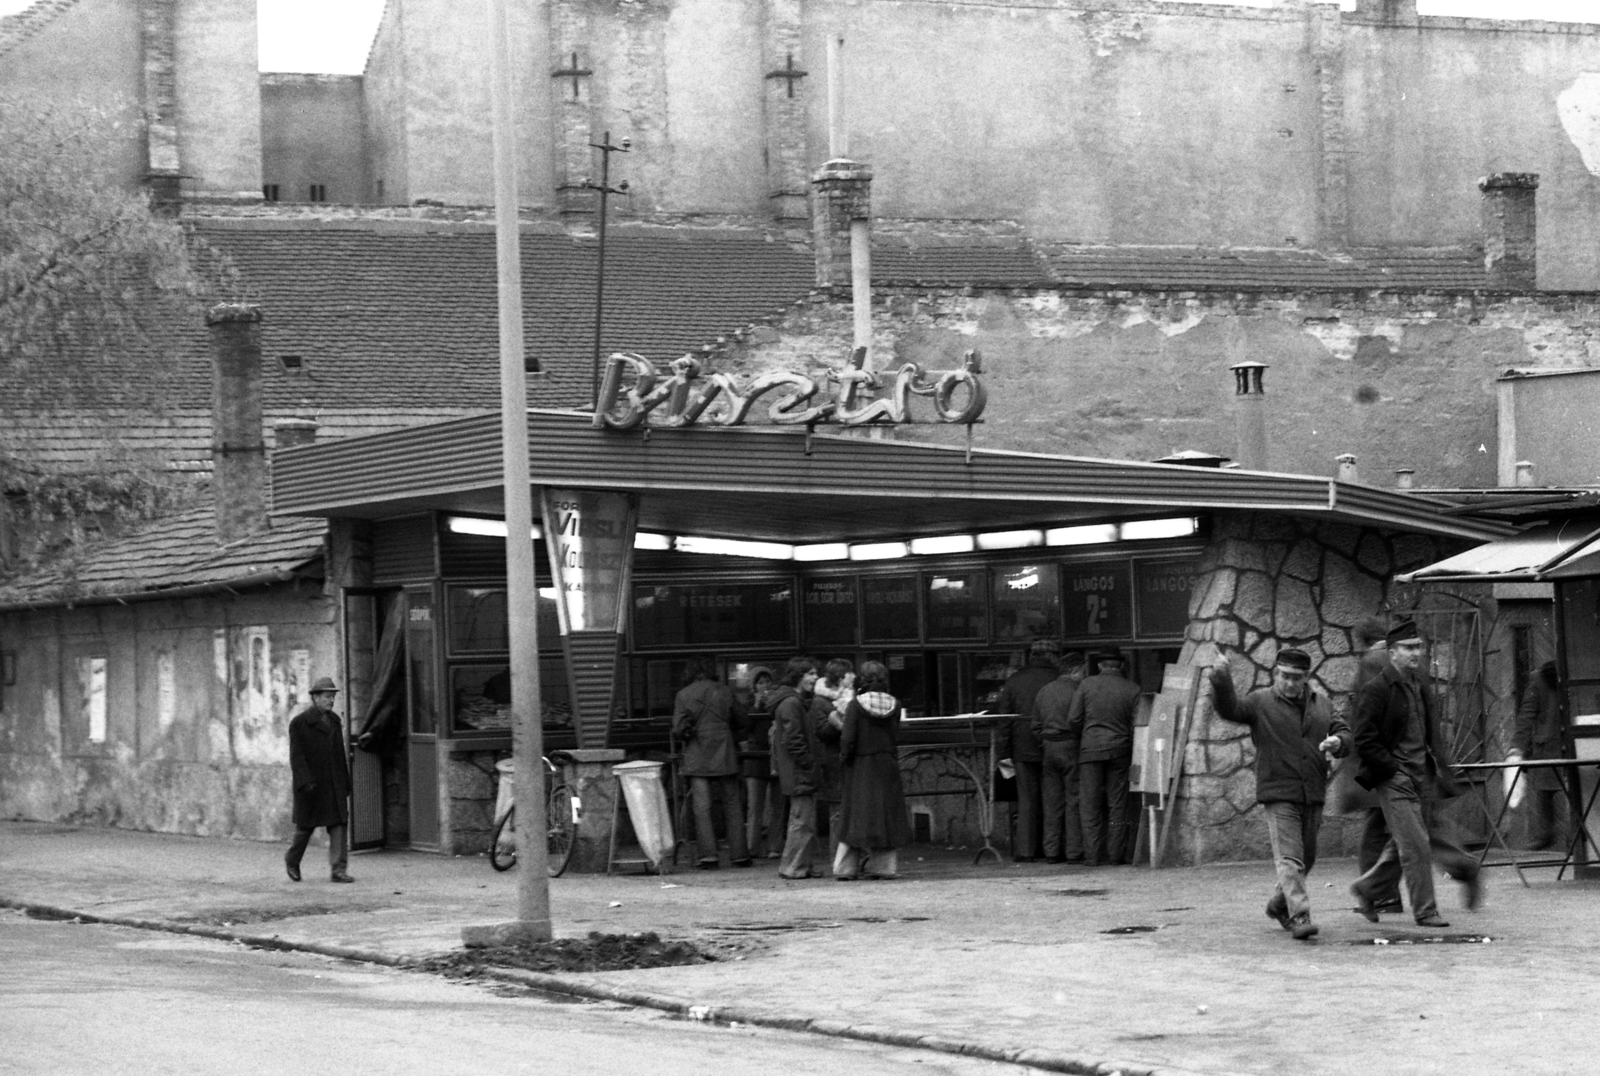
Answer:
x=1101 y=720
x=1063 y=828
x=321 y=775
x=1406 y=763
x=1019 y=743
x=1294 y=731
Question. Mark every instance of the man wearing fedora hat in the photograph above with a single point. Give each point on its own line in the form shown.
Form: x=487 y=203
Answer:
x=1294 y=730
x=1404 y=760
x=321 y=776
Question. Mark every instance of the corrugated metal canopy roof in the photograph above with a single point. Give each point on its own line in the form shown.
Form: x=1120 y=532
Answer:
x=774 y=483
x=1555 y=550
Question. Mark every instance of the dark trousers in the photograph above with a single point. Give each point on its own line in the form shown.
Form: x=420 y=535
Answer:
x=1103 y=807
x=1374 y=835
x=1415 y=843
x=338 y=850
x=1063 y=829
x=732 y=814
x=1025 y=841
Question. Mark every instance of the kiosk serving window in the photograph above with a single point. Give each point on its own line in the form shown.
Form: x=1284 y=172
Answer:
x=478 y=645
x=1164 y=588
x=889 y=609
x=956 y=605
x=480 y=697
x=713 y=614
x=829 y=612
x=1097 y=600
x=1027 y=602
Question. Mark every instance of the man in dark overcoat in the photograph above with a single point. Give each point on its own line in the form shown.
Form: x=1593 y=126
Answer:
x=321 y=774
x=1294 y=730
x=1063 y=828
x=1537 y=733
x=1018 y=742
x=1101 y=720
x=1405 y=761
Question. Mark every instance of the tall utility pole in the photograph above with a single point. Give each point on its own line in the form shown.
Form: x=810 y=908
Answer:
x=606 y=190
x=522 y=598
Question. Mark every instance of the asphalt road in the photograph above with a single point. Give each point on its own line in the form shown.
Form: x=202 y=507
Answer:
x=106 y=1001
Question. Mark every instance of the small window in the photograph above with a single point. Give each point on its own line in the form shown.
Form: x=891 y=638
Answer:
x=318 y=193
x=293 y=364
x=269 y=192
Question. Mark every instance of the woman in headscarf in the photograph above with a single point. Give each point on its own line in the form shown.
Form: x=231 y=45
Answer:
x=873 y=823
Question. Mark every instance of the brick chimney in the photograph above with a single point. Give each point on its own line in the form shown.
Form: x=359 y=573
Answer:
x=294 y=432
x=842 y=196
x=1250 y=412
x=238 y=452
x=1509 y=230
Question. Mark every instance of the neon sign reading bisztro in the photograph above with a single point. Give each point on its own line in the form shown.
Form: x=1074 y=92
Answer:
x=719 y=400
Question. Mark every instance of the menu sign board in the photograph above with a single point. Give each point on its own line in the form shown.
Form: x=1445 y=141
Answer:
x=1097 y=600
x=829 y=611
x=713 y=613
x=1163 y=588
x=889 y=608
x=956 y=605
x=590 y=538
x=1027 y=602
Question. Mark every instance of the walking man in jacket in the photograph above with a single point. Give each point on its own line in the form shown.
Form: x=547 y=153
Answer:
x=1101 y=719
x=1294 y=730
x=321 y=776
x=1063 y=829
x=1021 y=746
x=1406 y=763
x=795 y=755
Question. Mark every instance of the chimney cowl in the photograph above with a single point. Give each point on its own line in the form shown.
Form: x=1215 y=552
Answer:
x=1247 y=378
x=294 y=432
x=222 y=313
x=1347 y=467
x=1405 y=477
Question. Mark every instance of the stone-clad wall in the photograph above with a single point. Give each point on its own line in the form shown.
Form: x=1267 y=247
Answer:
x=1265 y=583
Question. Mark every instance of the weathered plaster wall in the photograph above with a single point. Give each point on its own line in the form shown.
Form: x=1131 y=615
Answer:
x=312 y=131
x=198 y=696
x=383 y=88
x=1402 y=380
x=107 y=69
x=1268 y=582
x=218 y=97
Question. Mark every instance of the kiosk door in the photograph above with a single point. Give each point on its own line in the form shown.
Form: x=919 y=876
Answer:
x=363 y=624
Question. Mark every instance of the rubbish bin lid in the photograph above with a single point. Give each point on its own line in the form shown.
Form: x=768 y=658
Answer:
x=506 y=766
x=640 y=764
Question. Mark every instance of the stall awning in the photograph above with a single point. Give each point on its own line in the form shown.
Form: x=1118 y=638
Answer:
x=1550 y=551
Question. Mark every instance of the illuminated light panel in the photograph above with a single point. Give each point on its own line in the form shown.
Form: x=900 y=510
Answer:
x=822 y=551
x=1089 y=534
x=647 y=540
x=878 y=551
x=1137 y=529
x=944 y=543
x=945 y=582
x=1010 y=539
x=550 y=593
x=729 y=547
x=488 y=528
x=1023 y=582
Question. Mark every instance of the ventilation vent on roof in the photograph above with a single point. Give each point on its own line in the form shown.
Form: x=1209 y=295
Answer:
x=293 y=364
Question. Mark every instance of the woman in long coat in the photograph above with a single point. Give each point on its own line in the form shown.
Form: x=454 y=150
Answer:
x=708 y=720
x=873 y=823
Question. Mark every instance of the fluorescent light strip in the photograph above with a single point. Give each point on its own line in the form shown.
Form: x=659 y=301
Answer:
x=487 y=528
x=647 y=540
x=1010 y=539
x=1089 y=534
x=728 y=547
x=822 y=551
x=944 y=543
x=878 y=551
x=1137 y=529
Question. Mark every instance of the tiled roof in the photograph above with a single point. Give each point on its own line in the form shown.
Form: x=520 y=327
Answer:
x=1227 y=269
x=398 y=316
x=177 y=552
x=957 y=264
x=15 y=29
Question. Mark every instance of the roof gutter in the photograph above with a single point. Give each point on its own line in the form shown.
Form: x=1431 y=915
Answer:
x=260 y=579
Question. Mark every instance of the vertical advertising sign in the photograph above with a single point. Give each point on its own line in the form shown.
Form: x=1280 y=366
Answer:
x=590 y=538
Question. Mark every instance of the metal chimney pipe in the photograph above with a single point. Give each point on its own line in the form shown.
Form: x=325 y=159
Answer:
x=1347 y=467
x=1251 y=415
x=1404 y=477
x=1524 y=472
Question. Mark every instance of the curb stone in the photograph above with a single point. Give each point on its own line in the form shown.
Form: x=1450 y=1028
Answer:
x=1045 y=1060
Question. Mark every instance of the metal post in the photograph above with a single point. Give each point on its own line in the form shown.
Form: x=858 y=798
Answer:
x=522 y=600
x=606 y=190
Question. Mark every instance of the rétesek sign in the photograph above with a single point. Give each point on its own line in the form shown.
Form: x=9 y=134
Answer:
x=719 y=400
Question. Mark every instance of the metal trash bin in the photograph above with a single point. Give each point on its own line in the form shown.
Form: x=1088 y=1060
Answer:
x=647 y=808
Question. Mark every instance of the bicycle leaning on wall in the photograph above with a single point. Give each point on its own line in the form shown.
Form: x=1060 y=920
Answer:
x=561 y=807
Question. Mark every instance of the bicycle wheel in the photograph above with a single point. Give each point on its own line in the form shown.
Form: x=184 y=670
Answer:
x=503 y=845
x=560 y=829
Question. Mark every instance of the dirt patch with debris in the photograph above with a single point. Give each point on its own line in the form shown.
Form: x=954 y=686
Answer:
x=232 y=917
x=597 y=952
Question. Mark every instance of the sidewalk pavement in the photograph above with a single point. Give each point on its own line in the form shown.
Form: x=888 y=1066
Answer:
x=1002 y=961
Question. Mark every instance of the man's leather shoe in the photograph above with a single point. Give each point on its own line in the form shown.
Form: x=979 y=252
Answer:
x=1278 y=909
x=1302 y=927
x=1432 y=921
x=1388 y=907
x=341 y=877
x=293 y=870
x=1364 y=904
